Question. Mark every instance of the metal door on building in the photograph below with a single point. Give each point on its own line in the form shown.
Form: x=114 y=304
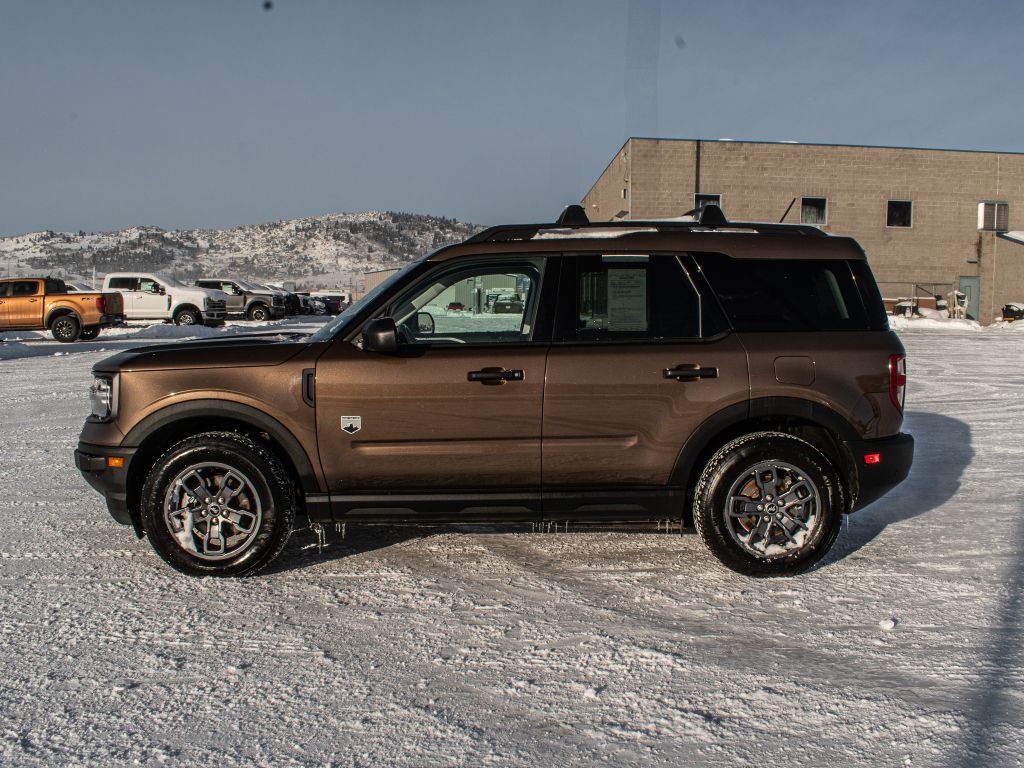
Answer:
x=970 y=287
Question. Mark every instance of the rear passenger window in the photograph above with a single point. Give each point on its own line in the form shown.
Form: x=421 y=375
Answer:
x=634 y=297
x=24 y=288
x=125 y=283
x=786 y=294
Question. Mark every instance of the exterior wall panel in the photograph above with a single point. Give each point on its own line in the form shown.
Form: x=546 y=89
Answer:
x=759 y=181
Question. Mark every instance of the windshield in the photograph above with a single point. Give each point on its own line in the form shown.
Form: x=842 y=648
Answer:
x=245 y=285
x=172 y=281
x=328 y=331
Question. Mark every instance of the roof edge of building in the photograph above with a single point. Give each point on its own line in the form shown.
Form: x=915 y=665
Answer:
x=821 y=144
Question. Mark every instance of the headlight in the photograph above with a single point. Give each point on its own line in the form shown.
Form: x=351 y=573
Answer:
x=101 y=396
x=206 y=301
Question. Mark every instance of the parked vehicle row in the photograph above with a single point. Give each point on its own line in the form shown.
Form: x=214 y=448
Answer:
x=73 y=311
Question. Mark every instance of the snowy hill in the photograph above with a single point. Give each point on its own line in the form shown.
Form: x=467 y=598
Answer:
x=333 y=250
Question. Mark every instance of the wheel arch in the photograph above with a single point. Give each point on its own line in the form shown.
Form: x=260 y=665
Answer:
x=186 y=305
x=818 y=424
x=61 y=311
x=154 y=434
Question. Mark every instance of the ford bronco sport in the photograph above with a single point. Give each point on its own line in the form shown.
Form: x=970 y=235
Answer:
x=740 y=377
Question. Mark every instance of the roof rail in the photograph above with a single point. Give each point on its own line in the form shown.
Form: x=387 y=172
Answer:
x=575 y=218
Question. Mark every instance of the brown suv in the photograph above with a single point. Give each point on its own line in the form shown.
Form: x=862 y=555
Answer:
x=739 y=377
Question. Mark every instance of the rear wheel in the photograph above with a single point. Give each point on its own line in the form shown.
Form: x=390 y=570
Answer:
x=66 y=328
x=218 y=504
x=769 y=504
x=88 y=334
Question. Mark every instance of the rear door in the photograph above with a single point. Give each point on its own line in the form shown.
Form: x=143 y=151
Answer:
x=635 y=367
x=128 y=287
x=452 y=423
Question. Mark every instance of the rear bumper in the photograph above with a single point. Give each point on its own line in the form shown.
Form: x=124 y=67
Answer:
x=111 y=482
x=895 y=455
x=108 y=321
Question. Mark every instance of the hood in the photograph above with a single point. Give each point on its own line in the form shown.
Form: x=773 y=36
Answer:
x=249 y=351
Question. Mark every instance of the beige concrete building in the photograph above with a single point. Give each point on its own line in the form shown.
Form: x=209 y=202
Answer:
x=930 y=220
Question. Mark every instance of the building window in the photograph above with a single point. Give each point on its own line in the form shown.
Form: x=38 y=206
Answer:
x=814 y=210
x=899 y=213
x=625 y=192
x=993 y=216
x=700 y=200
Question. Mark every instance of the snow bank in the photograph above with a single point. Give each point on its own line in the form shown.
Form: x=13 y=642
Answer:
x=934 y=322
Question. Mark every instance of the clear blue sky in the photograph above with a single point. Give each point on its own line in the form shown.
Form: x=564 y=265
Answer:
x=213 y=113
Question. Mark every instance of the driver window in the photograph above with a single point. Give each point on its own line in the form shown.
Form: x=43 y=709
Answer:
x=486 y=303
x=149 y=286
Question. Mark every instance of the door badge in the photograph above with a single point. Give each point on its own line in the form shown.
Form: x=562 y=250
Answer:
x=351 y=424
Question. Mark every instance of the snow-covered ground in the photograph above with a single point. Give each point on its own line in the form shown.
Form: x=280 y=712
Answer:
x=452 y=646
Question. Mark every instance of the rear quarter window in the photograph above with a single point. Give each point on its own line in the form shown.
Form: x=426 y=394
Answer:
x=789 y=294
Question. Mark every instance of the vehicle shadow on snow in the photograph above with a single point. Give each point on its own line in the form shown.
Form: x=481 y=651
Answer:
x=995 y=706
x=942 y=450
x=302 y=550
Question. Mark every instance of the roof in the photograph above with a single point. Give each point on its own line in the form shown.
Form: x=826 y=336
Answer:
x=823 y=144
x=1016 y=236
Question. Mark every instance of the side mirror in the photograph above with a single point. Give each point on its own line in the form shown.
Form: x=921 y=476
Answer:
x=425 y=323
x=161 y=290
x=380 y=336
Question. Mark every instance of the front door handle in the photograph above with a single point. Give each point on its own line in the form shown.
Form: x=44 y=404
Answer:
x=690 y=372
x=495 y=376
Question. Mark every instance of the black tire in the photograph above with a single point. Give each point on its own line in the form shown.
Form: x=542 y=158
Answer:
x=186 y=317
x=88 y=334
x=790 y=542
x=259 y=312
x=66 y=328
x=269 y=501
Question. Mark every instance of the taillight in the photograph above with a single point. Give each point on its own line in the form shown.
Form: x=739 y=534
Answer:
x=101 y=305
x=898 y=380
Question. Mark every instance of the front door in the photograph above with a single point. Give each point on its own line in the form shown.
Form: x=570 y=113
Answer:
x=151 y=300
x=970 y=286
x=25 y=304
x=236 y=299
x=628 y=381
x=458 y=409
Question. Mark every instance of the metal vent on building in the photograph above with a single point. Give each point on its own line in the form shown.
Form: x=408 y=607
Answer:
x=993 y=216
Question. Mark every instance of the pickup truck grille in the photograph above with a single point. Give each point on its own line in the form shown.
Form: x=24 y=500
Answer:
x=216 y=306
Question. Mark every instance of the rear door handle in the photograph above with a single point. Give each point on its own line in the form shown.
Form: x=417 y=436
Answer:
x=690 y=372
x=495 y=375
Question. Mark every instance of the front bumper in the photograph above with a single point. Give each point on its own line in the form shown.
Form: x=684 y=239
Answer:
x=111 y=482
x=894 y=458
x=278 y=310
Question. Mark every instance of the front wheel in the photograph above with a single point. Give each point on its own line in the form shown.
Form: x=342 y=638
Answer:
x=218 y=504
x=186 y=317
x=66 y=328
x=769 y=504
x=259 y=313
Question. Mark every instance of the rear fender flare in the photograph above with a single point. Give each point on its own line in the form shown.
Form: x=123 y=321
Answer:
x=721 y=422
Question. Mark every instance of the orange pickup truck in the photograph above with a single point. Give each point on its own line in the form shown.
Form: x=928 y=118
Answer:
x=34 y=303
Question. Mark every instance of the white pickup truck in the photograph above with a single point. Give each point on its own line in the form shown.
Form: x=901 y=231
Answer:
x=150 y=296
